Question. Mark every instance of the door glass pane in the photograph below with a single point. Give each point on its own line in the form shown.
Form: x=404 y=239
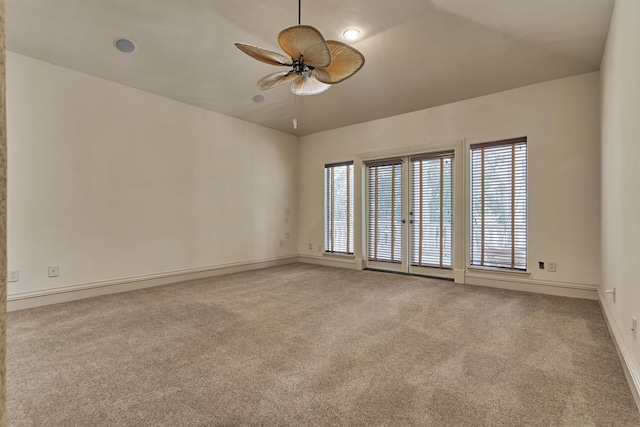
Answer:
x=432 y=211
x=385 y=211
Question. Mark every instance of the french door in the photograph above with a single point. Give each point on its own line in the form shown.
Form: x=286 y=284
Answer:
x=409 y=214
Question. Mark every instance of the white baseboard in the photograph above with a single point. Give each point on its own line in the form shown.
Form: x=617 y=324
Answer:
x=512 y=282
x=458 y=276
x=329 y=261
x=562 y=289
x=30 y=299
x=631 y=369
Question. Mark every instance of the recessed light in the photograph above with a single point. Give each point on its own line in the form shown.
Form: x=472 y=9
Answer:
x=258 y=98
x=124 y=45
x=351 y=34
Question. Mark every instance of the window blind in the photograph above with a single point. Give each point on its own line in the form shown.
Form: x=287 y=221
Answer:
x=338 y=225
x=499 y=204
x=384 y=185
x=431 y=210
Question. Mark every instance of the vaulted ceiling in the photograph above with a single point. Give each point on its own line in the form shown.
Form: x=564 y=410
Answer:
x=419 y=53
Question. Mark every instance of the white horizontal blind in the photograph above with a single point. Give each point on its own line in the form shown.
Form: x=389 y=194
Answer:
x=338 y=202
x=385 y=211
x=431 y=210
x=499 y=204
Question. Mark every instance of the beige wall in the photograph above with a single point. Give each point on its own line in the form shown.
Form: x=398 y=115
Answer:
x=115 y=183
x=560 y=119
x=112 y=183
x=620 y=86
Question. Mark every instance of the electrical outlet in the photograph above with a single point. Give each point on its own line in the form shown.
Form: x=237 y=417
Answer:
x=634 y=327
x=310 y=246
x=319 y=248
x=287 y=236
x=13 y=276
x=281 y=242
x=54 y=271
x=551 y=266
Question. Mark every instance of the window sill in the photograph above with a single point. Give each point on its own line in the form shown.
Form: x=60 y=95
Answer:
x=338 y=255
x=498 y=271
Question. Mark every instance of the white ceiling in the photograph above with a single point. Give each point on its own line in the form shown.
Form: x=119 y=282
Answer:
x=419 y=53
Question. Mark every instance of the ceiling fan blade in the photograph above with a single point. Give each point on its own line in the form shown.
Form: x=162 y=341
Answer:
x=275 y=79
x=308 y=86
x=346 y=62
x=304 y=40
x=264 y=55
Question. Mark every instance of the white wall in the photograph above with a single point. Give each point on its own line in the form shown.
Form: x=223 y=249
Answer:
x=112 y=183
x=620 y=86
x=560 y=119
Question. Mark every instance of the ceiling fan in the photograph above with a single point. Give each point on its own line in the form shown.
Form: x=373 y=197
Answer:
x=315 y=63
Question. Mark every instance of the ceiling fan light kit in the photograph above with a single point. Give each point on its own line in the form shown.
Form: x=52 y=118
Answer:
x=315 y=63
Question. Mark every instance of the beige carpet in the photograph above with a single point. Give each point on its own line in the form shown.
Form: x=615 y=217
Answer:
x=308 y=345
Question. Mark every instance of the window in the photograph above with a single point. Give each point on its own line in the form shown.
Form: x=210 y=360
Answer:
x=499 y=204
x=431 y=210
x=338 y=205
